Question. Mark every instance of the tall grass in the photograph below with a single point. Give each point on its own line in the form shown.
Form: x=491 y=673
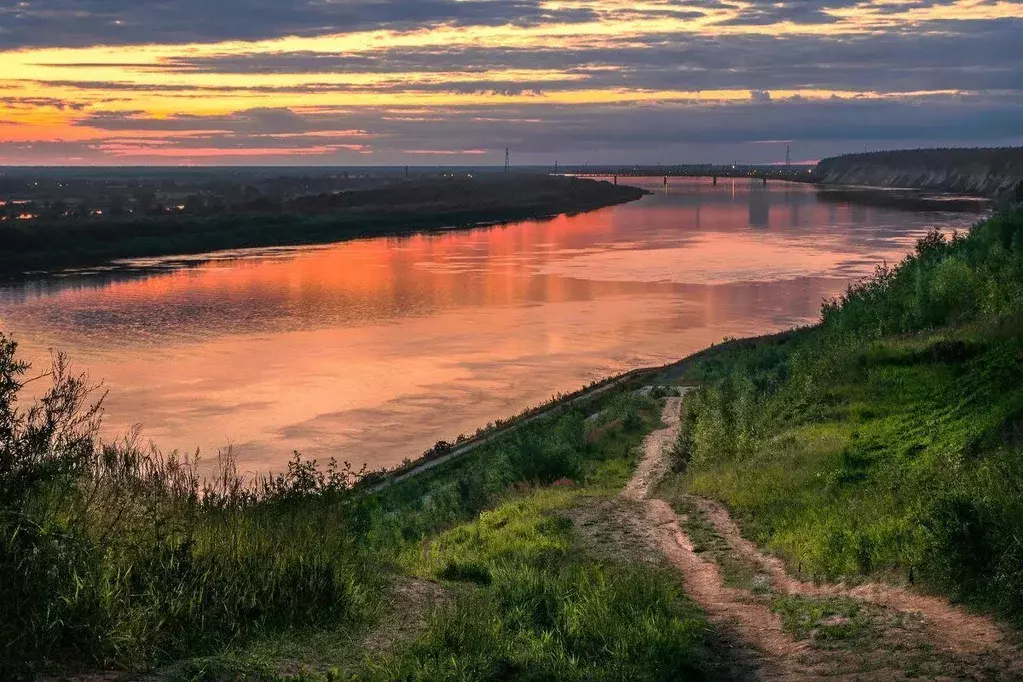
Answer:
x=116 y=555
x=888 y=439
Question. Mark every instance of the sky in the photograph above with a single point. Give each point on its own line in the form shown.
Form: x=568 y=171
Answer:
x=437 y=82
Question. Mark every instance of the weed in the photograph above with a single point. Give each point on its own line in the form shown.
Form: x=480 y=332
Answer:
x=836 y=619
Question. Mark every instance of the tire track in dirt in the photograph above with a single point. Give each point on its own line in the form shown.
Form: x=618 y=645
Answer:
x=965 y=646
x=727 y=608
x=949 y=627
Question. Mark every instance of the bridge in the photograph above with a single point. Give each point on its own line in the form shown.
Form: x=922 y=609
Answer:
x=791 y=173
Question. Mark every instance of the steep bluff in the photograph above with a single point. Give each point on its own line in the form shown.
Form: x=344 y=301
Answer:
x=994 y=173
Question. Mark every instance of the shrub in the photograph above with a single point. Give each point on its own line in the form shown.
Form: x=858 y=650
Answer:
x=544 y=456
x=115 y=554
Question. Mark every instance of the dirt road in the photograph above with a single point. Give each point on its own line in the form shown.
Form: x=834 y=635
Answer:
x=796 y=630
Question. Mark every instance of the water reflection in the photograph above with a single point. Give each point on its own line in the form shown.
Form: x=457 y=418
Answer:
x=760 y=206
x=373 y=350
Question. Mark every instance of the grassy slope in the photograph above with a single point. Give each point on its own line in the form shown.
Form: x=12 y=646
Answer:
x=110 y=559
x=889 y=439
x=526 y=599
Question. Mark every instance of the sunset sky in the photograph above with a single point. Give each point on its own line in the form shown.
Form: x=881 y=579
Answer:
x=345 y=82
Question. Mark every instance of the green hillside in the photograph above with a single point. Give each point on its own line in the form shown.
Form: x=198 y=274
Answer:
x=888 y=440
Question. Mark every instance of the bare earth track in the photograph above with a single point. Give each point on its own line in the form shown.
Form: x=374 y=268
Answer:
x=882 y=633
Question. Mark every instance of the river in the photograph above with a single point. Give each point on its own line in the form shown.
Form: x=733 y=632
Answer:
x=370 y=351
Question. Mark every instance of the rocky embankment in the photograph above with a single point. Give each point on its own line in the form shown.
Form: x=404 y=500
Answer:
x=994 y=173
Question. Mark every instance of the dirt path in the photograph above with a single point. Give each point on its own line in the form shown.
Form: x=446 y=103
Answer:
x=665 y=374
x=798 y=630
x=462 y=450
x=977 y=641
x=726 y=608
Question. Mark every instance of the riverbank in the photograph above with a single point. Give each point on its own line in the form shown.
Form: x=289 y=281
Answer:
x=880 y=447
x=664 y=374
x=992 y=173
x=33 y=247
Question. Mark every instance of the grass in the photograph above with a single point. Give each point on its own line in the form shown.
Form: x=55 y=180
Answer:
x=540 y=608
x=889 y=439
x=736 y=571
x=836 y=620
x=118 y=557
x=532 y=602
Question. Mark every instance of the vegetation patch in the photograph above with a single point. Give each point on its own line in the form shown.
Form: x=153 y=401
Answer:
x=550 y=611
x=834 y=619
x=736 y=571
x=887 y=439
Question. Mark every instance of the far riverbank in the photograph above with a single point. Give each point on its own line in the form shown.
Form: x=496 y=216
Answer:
x=34 y=247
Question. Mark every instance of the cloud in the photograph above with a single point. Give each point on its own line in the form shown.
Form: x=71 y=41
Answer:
x=32 y=103
x=986 y=57
x=72 y=23
x=584 y=80
x=540 y=133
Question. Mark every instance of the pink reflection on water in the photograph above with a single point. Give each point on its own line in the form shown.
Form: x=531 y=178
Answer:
x=373 y=350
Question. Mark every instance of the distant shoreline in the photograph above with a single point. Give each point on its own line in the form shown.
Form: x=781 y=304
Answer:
x=42 y=249
x=994 y=173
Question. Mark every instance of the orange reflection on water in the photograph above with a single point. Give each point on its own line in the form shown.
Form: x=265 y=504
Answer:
x=372 y=350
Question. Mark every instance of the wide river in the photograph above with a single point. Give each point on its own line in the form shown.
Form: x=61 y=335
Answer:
x=373 y=350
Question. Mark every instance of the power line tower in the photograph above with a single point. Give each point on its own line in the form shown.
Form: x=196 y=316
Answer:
x=788 y=155
x=507 y=159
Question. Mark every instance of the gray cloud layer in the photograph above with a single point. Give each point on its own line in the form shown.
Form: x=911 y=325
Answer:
x=115 y=22
x=756 y=130
x=980 y=58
